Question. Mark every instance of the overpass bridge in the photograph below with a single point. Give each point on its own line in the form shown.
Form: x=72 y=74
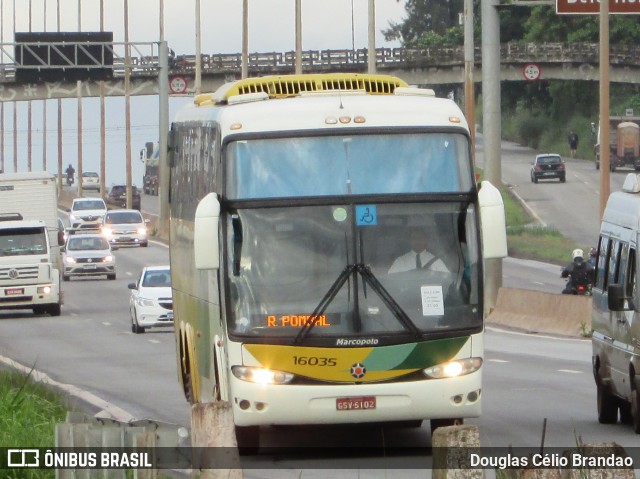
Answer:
x=431 y=66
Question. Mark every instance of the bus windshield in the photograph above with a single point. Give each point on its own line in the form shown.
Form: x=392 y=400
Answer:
x=282 y=262
x=348 y=165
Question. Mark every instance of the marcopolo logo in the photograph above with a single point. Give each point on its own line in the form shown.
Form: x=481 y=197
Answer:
x=357 y=342
x=23 y=458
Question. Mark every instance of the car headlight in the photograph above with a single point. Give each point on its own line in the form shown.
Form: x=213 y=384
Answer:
x=452 y=369
x=108 y=259
x=142 y=231
x=107 y=232
x=70 y=260
x=261 y=375
x=144 y=301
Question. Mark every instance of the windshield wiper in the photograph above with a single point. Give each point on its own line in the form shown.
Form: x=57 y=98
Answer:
x=375 y=285
x=387 y=299
x=324 y=302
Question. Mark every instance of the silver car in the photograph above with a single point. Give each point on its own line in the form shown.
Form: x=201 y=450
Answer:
x=86 y=212
x=125 y=227
x=88 y=255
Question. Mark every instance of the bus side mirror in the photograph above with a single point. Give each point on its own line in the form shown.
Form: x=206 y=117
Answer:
x=616 y=298
x=206 y=248
x=492 y=222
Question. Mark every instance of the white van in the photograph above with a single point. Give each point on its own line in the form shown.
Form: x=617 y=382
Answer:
x=616 y=309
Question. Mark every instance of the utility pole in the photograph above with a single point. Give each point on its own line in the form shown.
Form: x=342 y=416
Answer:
x=127 y=102
x=103 y=122
x=163 y=113
x=29 y=117
x=163 y=165
x=44 y=102
x=79 y=87
x=2 y=167
x=371 y=56
x=605 y=184
x=15 y=107
x=59 y=114
x=245 y=39
x=469 y=63
x=198 y=76
x=492 y=128
x=298 y=14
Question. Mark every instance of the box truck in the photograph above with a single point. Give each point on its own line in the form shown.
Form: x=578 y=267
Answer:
x=29 y=243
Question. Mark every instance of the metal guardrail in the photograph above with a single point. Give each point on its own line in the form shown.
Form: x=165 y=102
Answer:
x=144 y=61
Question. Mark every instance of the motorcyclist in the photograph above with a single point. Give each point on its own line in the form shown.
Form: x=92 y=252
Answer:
x=70 y=171
x=579 y=272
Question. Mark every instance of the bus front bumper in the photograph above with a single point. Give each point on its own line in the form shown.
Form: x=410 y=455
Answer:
x=257 y=404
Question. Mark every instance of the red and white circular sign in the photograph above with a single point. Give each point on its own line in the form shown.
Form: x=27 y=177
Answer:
x=531 y=71
x=178 y=84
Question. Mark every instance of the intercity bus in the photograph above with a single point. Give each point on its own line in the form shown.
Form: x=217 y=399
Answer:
x=290 y=198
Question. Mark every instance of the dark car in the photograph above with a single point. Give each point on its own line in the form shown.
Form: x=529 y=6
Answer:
x=548 y=166
x=117 y=196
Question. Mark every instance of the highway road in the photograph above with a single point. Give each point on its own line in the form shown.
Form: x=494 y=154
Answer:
x=527 y=377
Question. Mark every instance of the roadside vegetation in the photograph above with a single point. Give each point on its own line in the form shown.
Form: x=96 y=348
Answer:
x=528 y=240
x=28 y=414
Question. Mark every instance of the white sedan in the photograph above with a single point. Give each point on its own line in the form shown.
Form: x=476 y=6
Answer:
x=151 y=303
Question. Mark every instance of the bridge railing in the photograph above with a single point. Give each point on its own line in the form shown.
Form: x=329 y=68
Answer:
x=144 y=58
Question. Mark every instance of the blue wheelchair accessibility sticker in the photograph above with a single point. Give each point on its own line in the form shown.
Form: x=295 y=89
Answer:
x=366 y=215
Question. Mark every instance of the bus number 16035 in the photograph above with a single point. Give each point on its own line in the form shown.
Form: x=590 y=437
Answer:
x=313 y=361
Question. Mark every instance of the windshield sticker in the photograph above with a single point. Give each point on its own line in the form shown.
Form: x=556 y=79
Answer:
x=432 y=302
x=340 y=214
x=366 y=215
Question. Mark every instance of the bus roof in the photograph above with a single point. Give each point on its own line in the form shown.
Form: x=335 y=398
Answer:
x=347 y=105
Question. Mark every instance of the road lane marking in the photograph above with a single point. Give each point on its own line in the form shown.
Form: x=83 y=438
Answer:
x=497 y=360
x=569 y=371
x=106 y=323
x=153 y=341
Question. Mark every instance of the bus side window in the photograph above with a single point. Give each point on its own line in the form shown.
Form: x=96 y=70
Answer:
x=614 y=262
x=630 y=282
x=603 y=263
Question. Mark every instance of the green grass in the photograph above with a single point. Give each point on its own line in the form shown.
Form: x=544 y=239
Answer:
x=28 y=414
x=527 y=240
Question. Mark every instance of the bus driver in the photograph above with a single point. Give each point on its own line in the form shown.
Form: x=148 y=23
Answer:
x=419 y=257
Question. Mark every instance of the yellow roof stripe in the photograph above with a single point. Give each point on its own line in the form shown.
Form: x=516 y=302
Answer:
x=281 y=86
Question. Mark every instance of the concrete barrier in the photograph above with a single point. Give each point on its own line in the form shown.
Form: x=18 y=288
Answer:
x=536 y=311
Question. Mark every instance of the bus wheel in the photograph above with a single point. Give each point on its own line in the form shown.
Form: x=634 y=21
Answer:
x=625 y=412
x=635 y=410
x=248 y=439
x=188 y=389
x=608 y=407
x=436 y=423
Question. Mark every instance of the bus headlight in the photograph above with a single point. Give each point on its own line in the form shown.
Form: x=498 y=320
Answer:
x=261 y=375
x=452 y=369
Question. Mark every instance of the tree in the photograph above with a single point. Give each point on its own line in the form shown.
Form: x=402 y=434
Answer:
x=427 y=21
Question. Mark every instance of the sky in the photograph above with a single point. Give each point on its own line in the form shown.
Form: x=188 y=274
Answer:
x=326 y=24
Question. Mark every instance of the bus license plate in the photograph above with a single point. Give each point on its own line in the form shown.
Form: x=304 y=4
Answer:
x=356 y=403
x=13 y=291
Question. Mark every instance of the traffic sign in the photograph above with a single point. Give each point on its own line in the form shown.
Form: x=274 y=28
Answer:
x=178 y=85
x=531 y=71
x=592 y=7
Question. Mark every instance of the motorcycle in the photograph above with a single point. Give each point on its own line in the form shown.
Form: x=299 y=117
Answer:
x=578 y=286
x=69 y=180
x=578 y=289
